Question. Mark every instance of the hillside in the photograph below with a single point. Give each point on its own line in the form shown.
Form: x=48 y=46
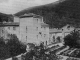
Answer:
x=57 y=15
x=5 y=17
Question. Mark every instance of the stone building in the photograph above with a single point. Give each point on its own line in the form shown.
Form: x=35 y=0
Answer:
x=29 y=28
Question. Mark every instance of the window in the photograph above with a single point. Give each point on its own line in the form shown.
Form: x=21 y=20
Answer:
x=9 y=28
x=26 y=38
x=46 y=42
x=41 y=20
x=14 y=28
x=44 y=35
x=26 y=29
x=36 y=28
x=37 y=36
x=40 y=33
x=68 y=27
x=37 y=20
x=2 y=31
x=44 y=27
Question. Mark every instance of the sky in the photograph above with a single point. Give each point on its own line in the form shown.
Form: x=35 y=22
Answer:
x=14 y=6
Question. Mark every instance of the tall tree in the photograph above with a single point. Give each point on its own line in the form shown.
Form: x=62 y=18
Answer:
x=72 y=39
x=16 y=47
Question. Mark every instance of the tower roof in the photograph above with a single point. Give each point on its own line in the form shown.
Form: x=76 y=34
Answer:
x=29 y=15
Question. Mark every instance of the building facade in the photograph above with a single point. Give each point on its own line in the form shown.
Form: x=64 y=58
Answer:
x=8 y=28
x=30 y=29
x=57 y=35
x=67 y=29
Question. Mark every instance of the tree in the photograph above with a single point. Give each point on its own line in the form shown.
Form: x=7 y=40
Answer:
x=2 y=41
x=16 y=47
x=4 y=50
x=72 y=39
x=11 y=48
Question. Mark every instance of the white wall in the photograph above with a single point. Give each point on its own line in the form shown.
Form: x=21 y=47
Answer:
x=29 y=29
x=33 y=28
x=16 y=19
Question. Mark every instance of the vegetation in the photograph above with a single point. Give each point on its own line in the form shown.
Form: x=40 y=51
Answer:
x=4 y=50
x=39 y=53
x=56 y=15
x=59 y=14
x=15 y=46
x=73 y=39
x=12 y=48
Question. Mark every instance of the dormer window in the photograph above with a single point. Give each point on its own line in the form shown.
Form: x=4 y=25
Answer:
x=68 y=27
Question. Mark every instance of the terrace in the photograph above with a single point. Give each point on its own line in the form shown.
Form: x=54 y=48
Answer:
x=71 y=52
x=58 y=50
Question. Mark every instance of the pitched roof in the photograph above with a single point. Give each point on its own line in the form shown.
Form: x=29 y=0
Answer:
x=54 y=30
x=44 y=25
x=29 y=15
x=9 y=24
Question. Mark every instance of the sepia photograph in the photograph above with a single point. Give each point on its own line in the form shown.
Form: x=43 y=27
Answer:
x=39 y=29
